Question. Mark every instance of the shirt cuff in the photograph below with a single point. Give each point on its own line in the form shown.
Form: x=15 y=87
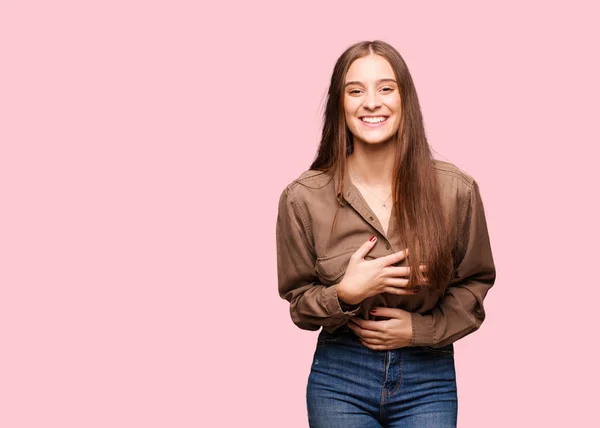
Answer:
x=422 y=330
x=335 y=307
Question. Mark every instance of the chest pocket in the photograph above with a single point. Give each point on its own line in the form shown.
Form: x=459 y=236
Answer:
x=331 y=269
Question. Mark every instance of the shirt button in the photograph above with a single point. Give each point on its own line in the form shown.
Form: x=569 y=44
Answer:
x=388 y=246
x=371 y=218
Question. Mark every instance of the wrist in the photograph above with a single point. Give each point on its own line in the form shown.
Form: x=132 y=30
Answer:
x=344 y=298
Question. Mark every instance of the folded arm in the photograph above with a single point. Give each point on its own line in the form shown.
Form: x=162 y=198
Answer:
x=312 y=305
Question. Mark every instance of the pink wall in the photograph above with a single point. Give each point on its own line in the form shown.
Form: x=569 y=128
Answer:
x=143 y=148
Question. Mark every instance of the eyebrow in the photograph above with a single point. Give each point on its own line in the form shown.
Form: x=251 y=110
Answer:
x=356 y=82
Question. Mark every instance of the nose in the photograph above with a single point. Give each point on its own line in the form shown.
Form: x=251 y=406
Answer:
x=372 y=100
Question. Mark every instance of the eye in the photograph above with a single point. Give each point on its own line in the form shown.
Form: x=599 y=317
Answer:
x=388 y=88
x=354 y=91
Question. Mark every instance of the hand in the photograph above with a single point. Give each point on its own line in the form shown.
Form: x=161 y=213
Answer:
x=395 y=332
x=366 y=278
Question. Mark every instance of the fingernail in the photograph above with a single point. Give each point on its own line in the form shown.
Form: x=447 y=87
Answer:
x=373 y=238
x=372 y=311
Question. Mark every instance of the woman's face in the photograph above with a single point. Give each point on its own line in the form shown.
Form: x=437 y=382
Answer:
x=372 y=100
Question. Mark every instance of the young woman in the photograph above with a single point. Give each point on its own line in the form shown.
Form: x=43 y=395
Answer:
x=386 y=250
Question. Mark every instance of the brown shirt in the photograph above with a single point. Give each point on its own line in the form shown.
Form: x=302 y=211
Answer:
x=311 y=262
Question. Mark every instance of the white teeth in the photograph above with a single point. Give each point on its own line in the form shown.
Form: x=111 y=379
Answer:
x=373 y=119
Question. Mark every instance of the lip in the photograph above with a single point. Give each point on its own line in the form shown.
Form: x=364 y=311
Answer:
x=374 y=125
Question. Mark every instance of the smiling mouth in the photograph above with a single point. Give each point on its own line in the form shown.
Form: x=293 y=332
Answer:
x=374 y=119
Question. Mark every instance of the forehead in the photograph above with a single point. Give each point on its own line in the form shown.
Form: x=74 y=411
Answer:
x=370 y=68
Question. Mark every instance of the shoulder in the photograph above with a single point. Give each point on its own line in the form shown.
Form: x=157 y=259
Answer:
x=312 y=178
x=304 y=192
x=447 y=171
x=458 y=188
x=308 y=184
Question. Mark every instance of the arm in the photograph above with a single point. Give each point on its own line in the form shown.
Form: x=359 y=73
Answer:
x=312 y=305
x=460 y=311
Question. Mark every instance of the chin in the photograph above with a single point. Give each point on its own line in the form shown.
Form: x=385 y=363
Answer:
x=376 y=140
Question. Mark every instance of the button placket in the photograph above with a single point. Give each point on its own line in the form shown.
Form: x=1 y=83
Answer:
x=367 y=214
x=377 y=225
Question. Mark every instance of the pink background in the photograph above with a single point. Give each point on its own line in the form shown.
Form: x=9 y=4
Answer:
x=144 y=145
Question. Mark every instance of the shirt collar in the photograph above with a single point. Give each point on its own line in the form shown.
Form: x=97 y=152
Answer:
x=348 y=186
x=350 y=190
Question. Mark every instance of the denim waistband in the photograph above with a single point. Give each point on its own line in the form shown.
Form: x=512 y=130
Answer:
x=347 y=335
x=342 y=330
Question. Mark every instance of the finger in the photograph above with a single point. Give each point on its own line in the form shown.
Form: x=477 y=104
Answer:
x=372 y=339
x=374 y=347
x=364 y=249
x=353 y=326
x=396 y=271
x=401 y=270
x=356 y=324
x=394 y=258
x=396 y=282
x=369 y=325
x=359 y=332
x=398 y=291
x=367 y=334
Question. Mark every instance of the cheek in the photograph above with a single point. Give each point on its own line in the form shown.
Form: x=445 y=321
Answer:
x=397 y=105
x=347 y=110
x=349 y=116
x=350 y=106
x=351 y=125
x=397 y=123
x=398 y=111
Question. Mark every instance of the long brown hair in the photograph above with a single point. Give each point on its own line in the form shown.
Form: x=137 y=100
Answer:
x=417 y=207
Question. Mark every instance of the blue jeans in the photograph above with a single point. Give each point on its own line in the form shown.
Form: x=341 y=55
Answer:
x=351 y=385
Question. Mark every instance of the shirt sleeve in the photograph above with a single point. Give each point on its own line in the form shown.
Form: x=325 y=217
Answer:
x=460 y=311
x=312 y=305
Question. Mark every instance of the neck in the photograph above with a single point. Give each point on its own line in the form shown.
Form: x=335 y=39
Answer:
x=373 y=163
